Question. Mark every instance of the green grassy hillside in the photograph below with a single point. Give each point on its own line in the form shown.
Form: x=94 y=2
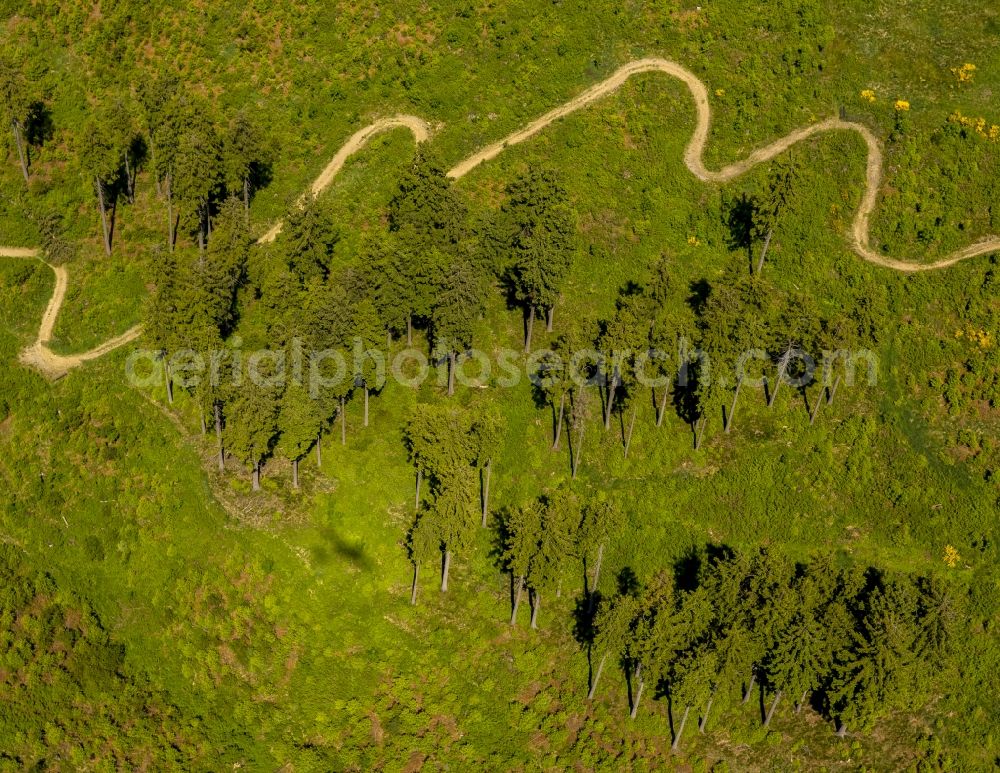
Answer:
x=231 y=628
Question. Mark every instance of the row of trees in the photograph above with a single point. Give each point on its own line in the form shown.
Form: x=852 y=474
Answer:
x=197 y=159
x=737 y=328
x=452 y=449
x=854 y=644
x=305 y=292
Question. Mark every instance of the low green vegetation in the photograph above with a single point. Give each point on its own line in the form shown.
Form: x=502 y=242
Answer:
x=736 y=567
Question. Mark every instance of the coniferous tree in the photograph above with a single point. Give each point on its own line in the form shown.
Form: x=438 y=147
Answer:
x=247 y=158
x=15 y=105
x=308 y=240
x=252 y=424
x=520 y=534
x=688 y=660
x=368 y=333
x=535 y=237
x=391 y=274
x=580 y=412
x=426 y=210
x=488 y=432
x=163 y=312
x=554 y=380
x=613 y=623
x=560 y=517
x=709 y=396
x=157 y=99
x=300 y=418
x=458 y=304
x=600 y=519
x=452 y=510
x=770 y=206
x=880 y=670
x=423 y=543
x=624 y=338
x=196 y=176
x=121 y=125
x=101 y=160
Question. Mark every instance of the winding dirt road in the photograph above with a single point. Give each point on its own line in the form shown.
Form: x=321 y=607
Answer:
x=53 y=365
x=417 y=126
x=38 y=355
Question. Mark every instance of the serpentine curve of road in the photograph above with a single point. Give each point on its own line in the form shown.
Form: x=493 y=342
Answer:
x=55 y=365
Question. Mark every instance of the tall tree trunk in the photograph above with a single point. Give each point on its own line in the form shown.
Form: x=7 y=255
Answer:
x=319 y=451
x=597 y=676
x=770 y=711
x=218 y=437
x=802 y=701
x=536 y=602
x=201 y=417
x=663 y=406
x=746 y=695
x=366 y=405
x=732 y=408
x=833 y=391
x=631 y=426
x=815 y=411
x=20 y=148
x=763 y=252
x=842 y=730
x=246 y=199
x=592 y=595
x=256 y=476
x=171 y=237
x=700 y=432
x=518 y=589
x=413 y=588
x=531 y=324
x=640 y=683
x=343 y=424
x=129 y=184
x=168 y=379
x=577 y=451
x=416 y=503
x=409 y=330
x=445 y=567
x=201 y=230
x=295 y=473
x=548 y=319
x=486 y=489
x=680 y=730
x=559 y=422
x=611 y=400
x=597 y=568
x=782 y=366
x=704 y=716
x=156 y=168
x=451 y=373
x=104 y=214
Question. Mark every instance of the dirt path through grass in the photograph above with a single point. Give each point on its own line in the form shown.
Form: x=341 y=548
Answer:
x=53 y=365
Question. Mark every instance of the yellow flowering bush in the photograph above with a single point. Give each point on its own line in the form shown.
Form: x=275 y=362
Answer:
x=951 y=556
x=965 y=73
x=981 y=338
x=868 y=95
x=901 y=105
x=694 y=241
x=977 y=125
x=720 y=92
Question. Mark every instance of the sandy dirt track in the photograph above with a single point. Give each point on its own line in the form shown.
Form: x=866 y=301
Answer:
x=54 y=365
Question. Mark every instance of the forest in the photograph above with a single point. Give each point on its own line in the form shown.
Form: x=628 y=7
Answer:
x=565 y=458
